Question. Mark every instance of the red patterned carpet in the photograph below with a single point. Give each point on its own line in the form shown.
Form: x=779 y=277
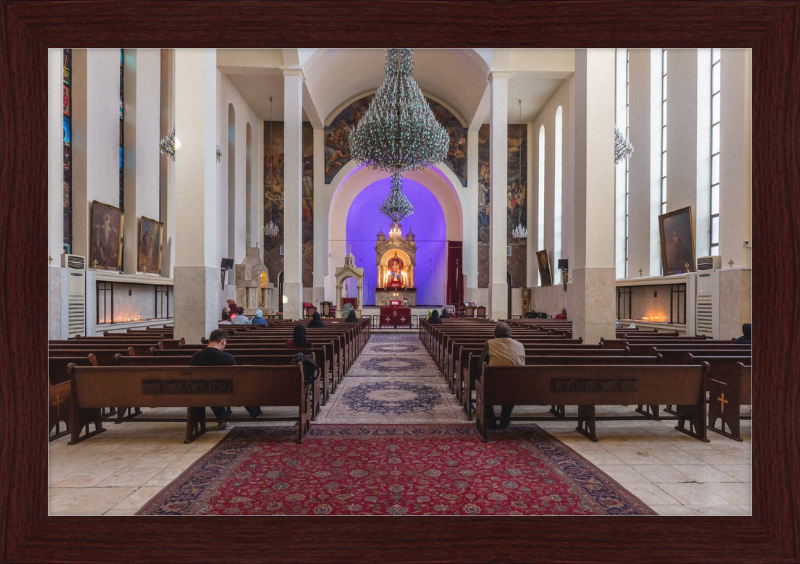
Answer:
x=391 y=470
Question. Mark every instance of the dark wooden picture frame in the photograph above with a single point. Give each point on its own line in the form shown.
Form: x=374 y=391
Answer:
x=107 y=224
x=770 y=28
x=149 y=251
x=545 y=269
x=677 y=241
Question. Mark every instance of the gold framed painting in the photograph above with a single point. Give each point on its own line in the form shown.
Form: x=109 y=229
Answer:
x=148 y=258
x=106 y=248
x=677 y=241
x=545 y=272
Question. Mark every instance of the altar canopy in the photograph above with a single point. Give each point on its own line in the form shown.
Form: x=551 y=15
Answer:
x=395 y=257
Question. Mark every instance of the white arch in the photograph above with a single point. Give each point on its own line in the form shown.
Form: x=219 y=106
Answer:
x=352 y=179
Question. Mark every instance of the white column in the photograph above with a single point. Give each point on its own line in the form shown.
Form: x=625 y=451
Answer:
x=55 y=189
x=594 y=273
x=498 y=172
x=735 y=157
x=166 y=165
x=322 y=206
x=197 y=268
x=470 y=236
x=141 y=164
x=532 y=182
x=644 y=186
x=292 y=194
x=688 y=137
x=95 y=138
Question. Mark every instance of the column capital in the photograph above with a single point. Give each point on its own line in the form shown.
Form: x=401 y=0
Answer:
x=293 y=71
x=499 y=74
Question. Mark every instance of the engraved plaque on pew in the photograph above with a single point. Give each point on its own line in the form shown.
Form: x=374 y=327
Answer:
x=579 y=386
x=186 y=387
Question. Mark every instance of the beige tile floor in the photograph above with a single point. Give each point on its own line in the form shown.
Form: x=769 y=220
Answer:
x=117 y=472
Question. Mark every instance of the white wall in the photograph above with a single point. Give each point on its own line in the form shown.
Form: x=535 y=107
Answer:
x=564 y=97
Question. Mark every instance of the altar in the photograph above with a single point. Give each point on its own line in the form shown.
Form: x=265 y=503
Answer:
x=395 y=317
x=395 y=258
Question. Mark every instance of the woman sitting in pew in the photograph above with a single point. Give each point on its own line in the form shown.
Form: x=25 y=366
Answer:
x=434 y=318
x=298 y=340
x=351 y=318
x=316 y=321
x=259 y=319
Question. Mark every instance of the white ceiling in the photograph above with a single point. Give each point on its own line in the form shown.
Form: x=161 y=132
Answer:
x=456 y=77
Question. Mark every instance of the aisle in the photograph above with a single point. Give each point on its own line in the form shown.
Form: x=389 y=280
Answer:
x=394 y=380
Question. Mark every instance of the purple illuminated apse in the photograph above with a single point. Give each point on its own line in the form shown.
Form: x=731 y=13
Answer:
x=428 y=224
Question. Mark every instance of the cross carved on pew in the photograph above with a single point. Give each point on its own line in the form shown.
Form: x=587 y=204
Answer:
x=722 y=402
x=59 y=400
x=730 y=263
x=49 y=259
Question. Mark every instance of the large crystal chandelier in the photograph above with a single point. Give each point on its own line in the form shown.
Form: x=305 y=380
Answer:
x=399 y=131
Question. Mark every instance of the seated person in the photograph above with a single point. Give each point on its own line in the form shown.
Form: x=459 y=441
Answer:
x=348 y=307
x=444 y=314
x=232 y=308
x=745 y=338
x=316 y=321
x=501 y=351
x=241 y=318
x=298 y=340
x=351 y=318
x=214 y=355
x=259 y=319
x=434 y=318
x=226 y=318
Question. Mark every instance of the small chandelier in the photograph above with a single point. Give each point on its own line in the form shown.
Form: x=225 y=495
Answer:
x=395 y=231
x=396 y=206
x=169 y=143
x=271 y=230
x=520 y=232
x=622 y=147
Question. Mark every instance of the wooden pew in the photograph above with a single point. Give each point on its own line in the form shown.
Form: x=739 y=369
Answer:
x=59 y=392
x=587 y=386
x=729 y=383
x=319 y=398
x=192 y=387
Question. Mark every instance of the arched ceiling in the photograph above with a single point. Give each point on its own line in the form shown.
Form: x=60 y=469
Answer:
x=456 y=77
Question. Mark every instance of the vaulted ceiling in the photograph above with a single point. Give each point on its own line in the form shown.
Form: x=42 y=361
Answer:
x=458 y=78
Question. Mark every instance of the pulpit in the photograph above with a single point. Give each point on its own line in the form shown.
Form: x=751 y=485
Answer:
x=395 y=317
x=349 y=270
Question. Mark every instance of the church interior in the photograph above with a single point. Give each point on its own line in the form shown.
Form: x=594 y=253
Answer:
x=392 y=215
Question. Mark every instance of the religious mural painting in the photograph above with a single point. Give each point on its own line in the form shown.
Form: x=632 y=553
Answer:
x=149 y=256
x=106 y=244
x=516 y=199
x=274 y=201
x=337 y=138
x=457 y=152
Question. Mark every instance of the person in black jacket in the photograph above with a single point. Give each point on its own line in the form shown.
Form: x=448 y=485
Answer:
x=445 y=314
x=214 y=355
x=434 y=318
x=316 y=321
x=351 y=317
x=744 y=339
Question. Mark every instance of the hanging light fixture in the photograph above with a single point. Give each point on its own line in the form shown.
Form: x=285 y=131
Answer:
x=520 y=231
x=399 y=131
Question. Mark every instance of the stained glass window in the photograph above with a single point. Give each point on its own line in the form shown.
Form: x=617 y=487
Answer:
x=67 y=123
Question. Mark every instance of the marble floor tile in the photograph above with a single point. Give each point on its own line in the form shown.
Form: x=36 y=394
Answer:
x=672 y=510
x=85 y=501
x=720 y=510
x=693 y=494
x=131 y=476
x=661 y=473
x=84 y=478
x=703 y=473
x=742 y=472
x=650 y=494
x=737 y=493
x=137 y=498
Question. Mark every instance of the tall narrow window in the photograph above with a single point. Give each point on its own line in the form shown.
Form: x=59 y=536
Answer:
x=557 y=198
x=715 y=131
x=540 y=211
x=663 y=131
x=121 y=127
x=67 y=118
x=627 y=136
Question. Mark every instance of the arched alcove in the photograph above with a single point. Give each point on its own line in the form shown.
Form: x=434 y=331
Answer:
x=428 y=224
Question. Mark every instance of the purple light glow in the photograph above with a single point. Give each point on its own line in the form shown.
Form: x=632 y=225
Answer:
x=428 y=224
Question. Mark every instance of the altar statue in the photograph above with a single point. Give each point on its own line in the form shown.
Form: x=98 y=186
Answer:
x=395 y=271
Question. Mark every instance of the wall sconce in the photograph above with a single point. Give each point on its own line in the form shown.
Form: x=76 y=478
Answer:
x=170 y=144
x=285 y=300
